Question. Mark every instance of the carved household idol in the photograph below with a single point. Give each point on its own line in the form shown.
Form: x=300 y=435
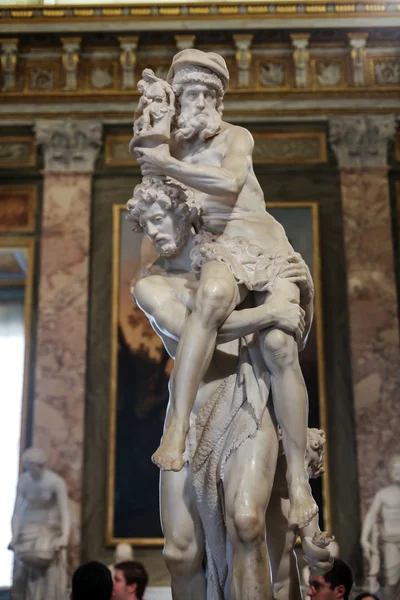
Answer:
x=233 y=304
x=382 y=528
x=40 y=530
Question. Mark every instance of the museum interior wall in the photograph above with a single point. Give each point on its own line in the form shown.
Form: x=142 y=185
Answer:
x=320 y=91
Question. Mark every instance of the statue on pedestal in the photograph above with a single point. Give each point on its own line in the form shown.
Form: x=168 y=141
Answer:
x=40 y=530
x=382 y=526
x=233 y=304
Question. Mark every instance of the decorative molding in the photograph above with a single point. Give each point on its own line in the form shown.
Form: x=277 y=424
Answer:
x=273 y=74
x=290 y=147
x=193 y=11
x=101 y=76
x=185 y=42
x=41 y=76
x=385 y=71
x=70 y=60
x=301 y=56
x=243 y=57
x=17 y=208
x=8 y=61
x=127 y=60
x=116 y=151
x=17 y=152
x=329 y=72
x=358 y=52
x=69 y=145
x=270 y=147
x=361 y=141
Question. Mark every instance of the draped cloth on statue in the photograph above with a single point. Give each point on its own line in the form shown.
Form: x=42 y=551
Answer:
x=39 y=570
x=230 y=417
x=391 y=550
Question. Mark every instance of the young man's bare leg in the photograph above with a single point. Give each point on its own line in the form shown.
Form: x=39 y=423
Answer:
x=290 y=400
x=217 y=296
x=248 y=480
x=184 y=537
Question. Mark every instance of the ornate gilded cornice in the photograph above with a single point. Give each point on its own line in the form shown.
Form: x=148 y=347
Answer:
x=202 y=11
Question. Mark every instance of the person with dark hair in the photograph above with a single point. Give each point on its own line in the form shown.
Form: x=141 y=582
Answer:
x=92 y=581
x=336 y=584
x=130 y=580
x=366 y=596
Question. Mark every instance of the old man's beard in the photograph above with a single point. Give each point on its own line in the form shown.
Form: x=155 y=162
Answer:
x=205 y=125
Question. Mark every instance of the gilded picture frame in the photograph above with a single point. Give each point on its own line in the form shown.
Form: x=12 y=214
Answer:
x=129 y=329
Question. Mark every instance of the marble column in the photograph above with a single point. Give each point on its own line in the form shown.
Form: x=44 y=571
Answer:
x=70 y=150
x=360 y=144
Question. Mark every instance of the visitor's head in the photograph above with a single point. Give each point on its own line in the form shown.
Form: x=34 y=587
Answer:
x=366 y=596
x=92 y=581
x=334 y=585
x=130 y=580
x=34 y=460
x=123 y=552
x=199 y=80
x=160 y=210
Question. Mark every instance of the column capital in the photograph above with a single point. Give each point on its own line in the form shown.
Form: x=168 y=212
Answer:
x=361 y=141
x=69 y=145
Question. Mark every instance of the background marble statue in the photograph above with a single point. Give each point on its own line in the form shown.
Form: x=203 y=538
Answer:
x=40 y=530
x=382 y=527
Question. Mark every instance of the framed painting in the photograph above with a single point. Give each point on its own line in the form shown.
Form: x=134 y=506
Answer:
x=139 y=382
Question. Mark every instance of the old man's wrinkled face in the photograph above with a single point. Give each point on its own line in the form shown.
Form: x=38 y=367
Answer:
x=163 y=228
x=196 y=99
x=198 y=112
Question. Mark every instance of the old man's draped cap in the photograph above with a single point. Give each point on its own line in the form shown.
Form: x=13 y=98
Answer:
x=197 y=58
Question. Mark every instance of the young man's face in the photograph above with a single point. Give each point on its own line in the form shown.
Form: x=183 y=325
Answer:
x=319 y=589
x=162 y=228
x=121 y=590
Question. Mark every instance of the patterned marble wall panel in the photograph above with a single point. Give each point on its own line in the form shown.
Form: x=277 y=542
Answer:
x=61 y=339
x=361 y=145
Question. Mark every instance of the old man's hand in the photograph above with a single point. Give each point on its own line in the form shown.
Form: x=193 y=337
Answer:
x=153 y=161
x=296 y=271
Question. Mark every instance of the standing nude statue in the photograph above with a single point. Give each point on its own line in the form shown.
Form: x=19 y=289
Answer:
x=166 y=292
x=383 y=521
x=241 y=249
x=40 y=530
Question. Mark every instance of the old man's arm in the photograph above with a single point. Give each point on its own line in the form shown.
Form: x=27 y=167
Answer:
x=226 y=181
